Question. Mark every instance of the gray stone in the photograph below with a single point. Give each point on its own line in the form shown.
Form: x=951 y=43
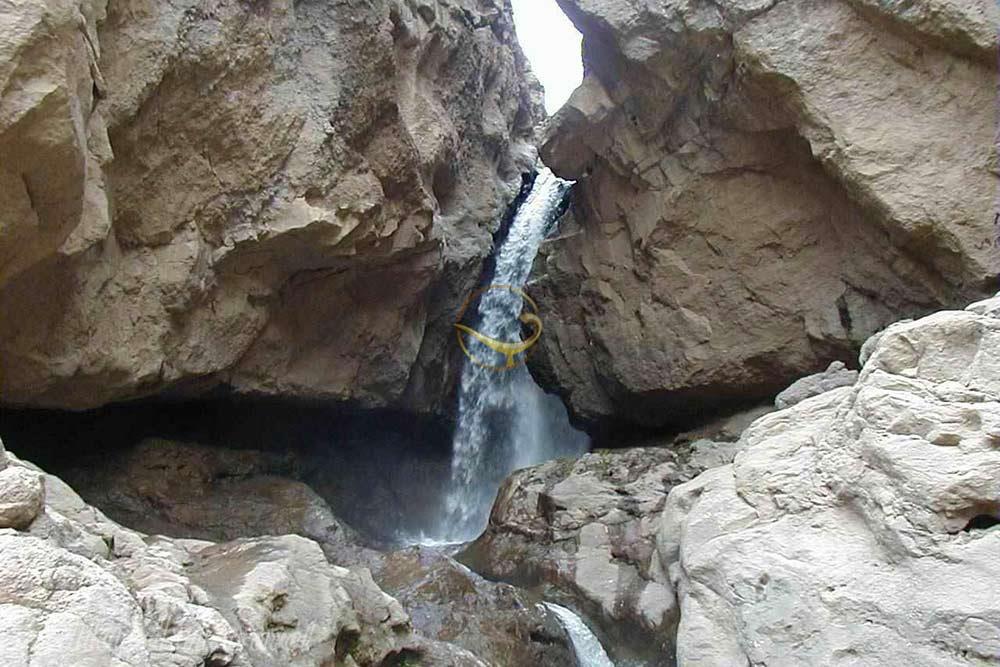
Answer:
x=584 y=533
x=58 y=608
x=21 y=497
x=989 y=307
x=448 y=602
x=835 y=376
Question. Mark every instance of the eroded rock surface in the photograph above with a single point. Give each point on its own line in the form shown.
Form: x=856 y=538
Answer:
x=764 y=186
x=859 y=526
x=836 y=375
x=440 y=611
x=584 y=532
x=284 y=197
x=79 y=589
x=21 y=497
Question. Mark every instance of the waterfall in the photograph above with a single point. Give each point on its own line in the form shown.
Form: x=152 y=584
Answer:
x=589 y=652
x=505 y=421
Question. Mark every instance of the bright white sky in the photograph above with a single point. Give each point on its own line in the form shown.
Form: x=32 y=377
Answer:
x=552 y=44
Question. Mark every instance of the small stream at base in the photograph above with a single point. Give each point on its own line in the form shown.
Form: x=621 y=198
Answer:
x=586 y=646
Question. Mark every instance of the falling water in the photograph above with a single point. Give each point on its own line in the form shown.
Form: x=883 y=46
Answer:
x=589 y=652
x=505 y=421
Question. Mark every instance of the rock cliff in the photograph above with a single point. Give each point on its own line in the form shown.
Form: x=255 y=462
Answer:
x=286 y=198
x=763 y=186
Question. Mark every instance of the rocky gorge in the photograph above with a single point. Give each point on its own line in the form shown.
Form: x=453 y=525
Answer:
x=235 y=236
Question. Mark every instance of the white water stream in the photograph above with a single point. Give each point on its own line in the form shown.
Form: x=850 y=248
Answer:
x=505 y=421
x=589 y=652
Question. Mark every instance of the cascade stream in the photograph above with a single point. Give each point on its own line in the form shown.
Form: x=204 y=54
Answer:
x=586 y=646
x=505 y=421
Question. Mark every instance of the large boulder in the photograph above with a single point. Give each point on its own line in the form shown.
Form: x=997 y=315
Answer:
x=857 y=527
x=282 y=197
x=764 y=185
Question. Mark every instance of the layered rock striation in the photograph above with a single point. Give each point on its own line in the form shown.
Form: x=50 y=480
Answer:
x=763 y=186
x=284 y=198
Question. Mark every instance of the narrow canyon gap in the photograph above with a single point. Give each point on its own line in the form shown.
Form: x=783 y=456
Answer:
x=505 y=421
x=553 y=46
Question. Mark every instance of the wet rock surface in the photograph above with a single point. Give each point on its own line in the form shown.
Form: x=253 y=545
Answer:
x=193 y=493
x=292 y=199
x=764 y=185
x=502 y=624
x=584 y=534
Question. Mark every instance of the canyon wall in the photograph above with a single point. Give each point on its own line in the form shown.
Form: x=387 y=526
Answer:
x=285 y=198
x=763 y=185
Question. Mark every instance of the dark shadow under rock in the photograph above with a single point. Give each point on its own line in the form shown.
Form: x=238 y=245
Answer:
x=381 y=472
x=189 y=490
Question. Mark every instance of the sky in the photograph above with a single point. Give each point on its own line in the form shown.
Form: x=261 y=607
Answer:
x=552 y=44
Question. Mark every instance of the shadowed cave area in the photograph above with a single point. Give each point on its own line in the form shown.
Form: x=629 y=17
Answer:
x=382 y=472
x=385 y=473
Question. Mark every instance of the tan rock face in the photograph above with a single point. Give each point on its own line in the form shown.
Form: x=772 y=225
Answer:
x=289 y=198
x=859 y=526
x=763 y=186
